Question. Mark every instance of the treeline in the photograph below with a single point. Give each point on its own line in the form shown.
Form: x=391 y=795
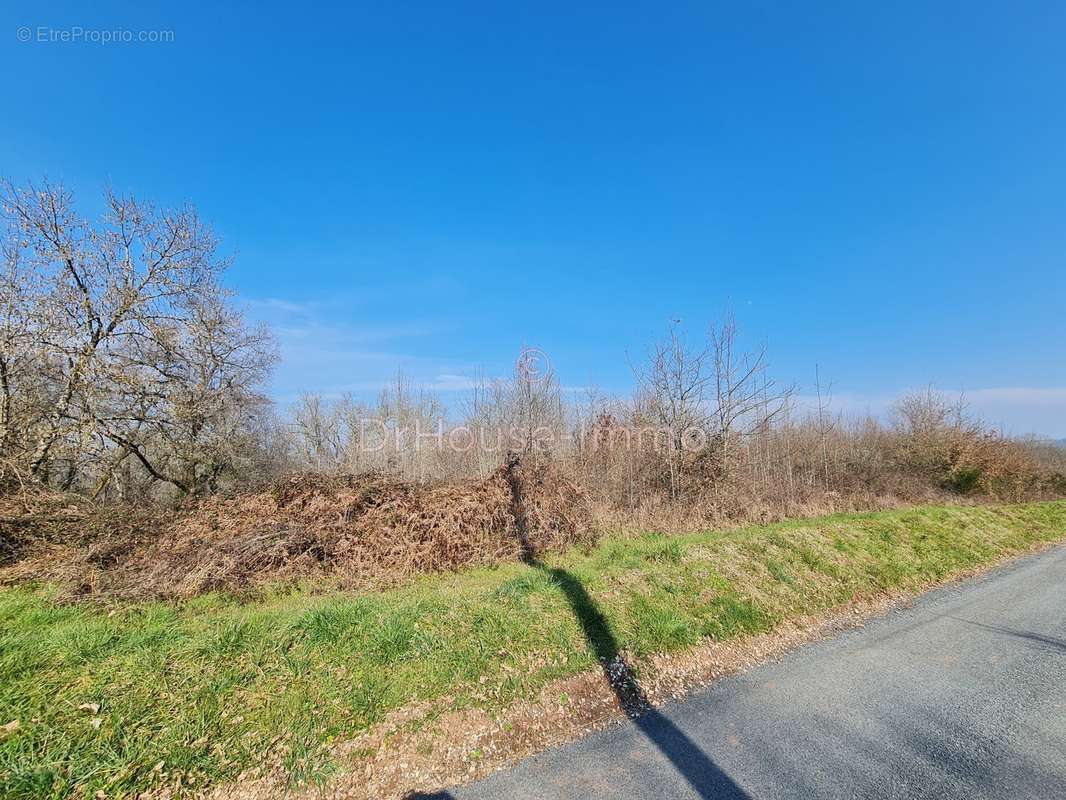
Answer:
x=127 y=373
x=691 y=445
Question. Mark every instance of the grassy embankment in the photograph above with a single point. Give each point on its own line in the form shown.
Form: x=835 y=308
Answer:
x=103 y=695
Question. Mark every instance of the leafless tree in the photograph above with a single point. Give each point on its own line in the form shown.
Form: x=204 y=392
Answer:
x=317 y=433
x=674 y=383
x=825 y=424
x=134 y=349
x=745 y=399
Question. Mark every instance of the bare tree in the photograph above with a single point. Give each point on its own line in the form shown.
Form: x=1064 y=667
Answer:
x=825 y=425
x=745 y=398
x=317 y=433
x=674 y=383
x=135 y=350
x=21 y=355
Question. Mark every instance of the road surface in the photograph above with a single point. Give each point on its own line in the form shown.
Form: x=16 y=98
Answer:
x=962 y=695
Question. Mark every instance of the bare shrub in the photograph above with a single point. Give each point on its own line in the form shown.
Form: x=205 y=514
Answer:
x=934 y=437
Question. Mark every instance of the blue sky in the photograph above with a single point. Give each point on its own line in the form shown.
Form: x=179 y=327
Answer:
x=880 y=189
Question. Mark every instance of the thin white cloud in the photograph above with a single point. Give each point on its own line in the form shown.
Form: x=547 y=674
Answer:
x=1022 y=409
x=848 y=403
x=450 y=383
x=324 y=354
x=275 y=304
x=1043 y=397
x=1017 y=410
x=329 y=355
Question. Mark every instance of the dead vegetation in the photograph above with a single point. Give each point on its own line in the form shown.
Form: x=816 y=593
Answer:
x=355 y=529
x=34 y=518
x=131 y=386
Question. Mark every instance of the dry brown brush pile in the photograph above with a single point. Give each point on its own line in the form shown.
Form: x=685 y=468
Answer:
x=356 y=528
x=38 y=524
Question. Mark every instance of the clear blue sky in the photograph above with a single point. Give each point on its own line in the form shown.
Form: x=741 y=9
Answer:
x=879 y=188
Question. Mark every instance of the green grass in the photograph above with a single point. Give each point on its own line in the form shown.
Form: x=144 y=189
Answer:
x=208 y=686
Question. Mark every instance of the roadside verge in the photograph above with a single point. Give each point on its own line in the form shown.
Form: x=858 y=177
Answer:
x=379 y=693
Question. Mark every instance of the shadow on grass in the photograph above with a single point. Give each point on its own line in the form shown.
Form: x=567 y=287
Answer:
x=701 y=773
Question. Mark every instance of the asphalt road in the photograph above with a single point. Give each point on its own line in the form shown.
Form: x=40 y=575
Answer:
x=962 y=695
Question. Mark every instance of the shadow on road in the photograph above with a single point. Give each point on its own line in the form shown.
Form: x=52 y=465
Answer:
x=701 y=773
x=1050 y=641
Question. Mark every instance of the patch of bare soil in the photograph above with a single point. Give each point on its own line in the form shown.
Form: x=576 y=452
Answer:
x=356 y=528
